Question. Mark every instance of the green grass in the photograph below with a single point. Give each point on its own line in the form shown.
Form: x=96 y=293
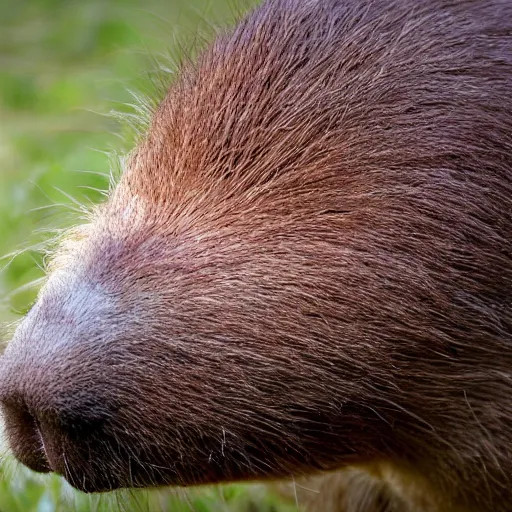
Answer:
x=63 y=64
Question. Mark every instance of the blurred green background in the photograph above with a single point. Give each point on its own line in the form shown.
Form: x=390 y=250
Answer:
x=64 y=65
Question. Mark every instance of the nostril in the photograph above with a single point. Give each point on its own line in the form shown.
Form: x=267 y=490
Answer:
x=24 y=436
x=54 y=437
x=43 y=444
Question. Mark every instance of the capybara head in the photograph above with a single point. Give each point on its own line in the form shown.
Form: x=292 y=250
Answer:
x=306 y=263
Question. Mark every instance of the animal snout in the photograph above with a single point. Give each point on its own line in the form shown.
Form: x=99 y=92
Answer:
x=25 y=437
x=50 y=429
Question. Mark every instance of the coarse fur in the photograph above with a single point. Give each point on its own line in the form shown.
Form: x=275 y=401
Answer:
x=305 y=266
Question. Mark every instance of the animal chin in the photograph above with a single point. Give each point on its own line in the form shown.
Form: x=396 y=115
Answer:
x=83 y=473
x=94 y=467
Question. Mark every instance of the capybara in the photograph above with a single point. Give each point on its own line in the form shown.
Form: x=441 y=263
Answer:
x=306 y=266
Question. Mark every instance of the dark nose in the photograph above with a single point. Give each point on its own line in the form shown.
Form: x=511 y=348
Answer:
x=24 y=435
x=49 y=425
x=47 y=438
x=22 y=428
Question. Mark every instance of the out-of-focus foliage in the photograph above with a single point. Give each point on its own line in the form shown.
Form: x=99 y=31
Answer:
x=63 y=64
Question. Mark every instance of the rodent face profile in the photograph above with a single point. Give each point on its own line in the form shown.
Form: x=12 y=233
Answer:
x=306 y=265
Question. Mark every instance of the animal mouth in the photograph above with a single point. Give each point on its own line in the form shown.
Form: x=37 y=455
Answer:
x=96 y=455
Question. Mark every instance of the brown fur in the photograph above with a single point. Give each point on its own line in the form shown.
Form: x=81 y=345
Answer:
x=306 y=266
